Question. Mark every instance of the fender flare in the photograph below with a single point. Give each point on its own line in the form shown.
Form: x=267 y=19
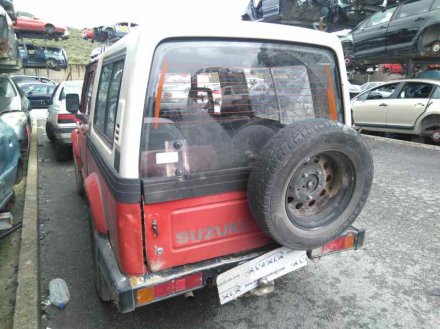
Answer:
x=419 y=123
x=422 y=30
x=94 y=196
x=75 y=147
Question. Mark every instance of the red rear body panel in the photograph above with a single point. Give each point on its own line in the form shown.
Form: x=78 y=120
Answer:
x=201 y=228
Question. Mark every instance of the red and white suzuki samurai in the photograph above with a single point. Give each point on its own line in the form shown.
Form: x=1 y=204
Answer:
x=216 y=156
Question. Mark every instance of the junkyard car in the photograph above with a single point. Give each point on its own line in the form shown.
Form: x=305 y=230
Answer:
x=29 y=26
x=403 y=106
x=8 y=6
x=336 y=14
x=9 y=57
x=119 y=30
x=11 y=165
x=407 y=30
x=38 y=93
x=42 y=57
x=14 y=111
x=60 y=123
x=179 y=196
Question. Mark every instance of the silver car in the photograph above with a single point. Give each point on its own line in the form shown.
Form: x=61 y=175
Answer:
x=14 y=111
x=60 y=123
x=410 y=106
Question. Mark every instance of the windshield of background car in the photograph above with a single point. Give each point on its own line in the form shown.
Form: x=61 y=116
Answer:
x=212 y=105
x=37 y=89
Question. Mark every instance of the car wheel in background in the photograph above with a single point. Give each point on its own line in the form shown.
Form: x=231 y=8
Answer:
x=310 y=182
x=62 y=152
x=49 y=132
x=19 y=173
x=49 y=29
x=51 y=63
x=10 y=204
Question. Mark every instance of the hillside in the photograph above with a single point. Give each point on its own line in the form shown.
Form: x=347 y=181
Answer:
x=78 y=50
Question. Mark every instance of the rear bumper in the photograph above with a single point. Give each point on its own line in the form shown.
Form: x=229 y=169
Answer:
x=63 y=134
x=124 y=288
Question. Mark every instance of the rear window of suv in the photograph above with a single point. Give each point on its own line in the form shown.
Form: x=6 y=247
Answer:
x=212 y=105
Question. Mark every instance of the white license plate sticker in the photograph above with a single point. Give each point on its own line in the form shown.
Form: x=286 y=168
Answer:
x=167 y=157
x=272 y=265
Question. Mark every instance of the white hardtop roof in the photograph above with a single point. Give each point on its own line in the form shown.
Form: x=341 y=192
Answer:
x=153 y=33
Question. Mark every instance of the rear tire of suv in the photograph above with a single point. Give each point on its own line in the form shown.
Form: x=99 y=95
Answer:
x=102 y=289
x=310 y=182
x=101 y=285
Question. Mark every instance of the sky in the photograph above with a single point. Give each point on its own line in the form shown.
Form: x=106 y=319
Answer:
x=90 y=13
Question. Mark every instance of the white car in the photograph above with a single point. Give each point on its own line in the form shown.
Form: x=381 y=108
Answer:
x=409 y=106
x=372 y=84
x=60 y=123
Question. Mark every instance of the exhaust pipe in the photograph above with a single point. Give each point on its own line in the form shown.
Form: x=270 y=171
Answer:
x=188 y=295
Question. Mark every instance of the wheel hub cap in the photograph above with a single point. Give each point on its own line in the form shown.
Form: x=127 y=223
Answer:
x=316 y=188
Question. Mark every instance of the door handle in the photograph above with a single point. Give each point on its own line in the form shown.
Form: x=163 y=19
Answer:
x=382 y=27
x=383 y=104
x=419 y=19
x=419 y=104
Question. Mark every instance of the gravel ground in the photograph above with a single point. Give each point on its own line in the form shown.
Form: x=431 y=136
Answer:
x=389 y=284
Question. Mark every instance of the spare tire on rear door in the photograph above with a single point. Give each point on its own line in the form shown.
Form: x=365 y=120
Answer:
x=310 y=182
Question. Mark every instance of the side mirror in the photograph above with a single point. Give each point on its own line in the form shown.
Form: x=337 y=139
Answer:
x=72 y=103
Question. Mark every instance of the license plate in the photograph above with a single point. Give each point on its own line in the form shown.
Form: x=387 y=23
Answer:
x=272 y=265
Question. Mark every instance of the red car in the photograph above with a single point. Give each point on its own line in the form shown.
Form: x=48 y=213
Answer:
x=88 y=34
x=29 y=24
x=393 y=69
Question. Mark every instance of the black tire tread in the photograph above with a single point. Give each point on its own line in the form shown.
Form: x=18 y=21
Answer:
x=263 y=172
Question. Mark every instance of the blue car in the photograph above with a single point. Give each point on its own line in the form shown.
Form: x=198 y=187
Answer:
x=11 y=165
x=41 y=57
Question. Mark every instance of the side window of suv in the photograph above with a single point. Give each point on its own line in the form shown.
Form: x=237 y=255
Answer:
x=108 y=98
x=436 y=94
x=88 y=91
x=413 y=7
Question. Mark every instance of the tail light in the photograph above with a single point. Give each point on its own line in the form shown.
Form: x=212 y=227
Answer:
x=67 y=118
x=169 y=288
x=352 y=239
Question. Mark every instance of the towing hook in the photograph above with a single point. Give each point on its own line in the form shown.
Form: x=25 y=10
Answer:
x=264 y=288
